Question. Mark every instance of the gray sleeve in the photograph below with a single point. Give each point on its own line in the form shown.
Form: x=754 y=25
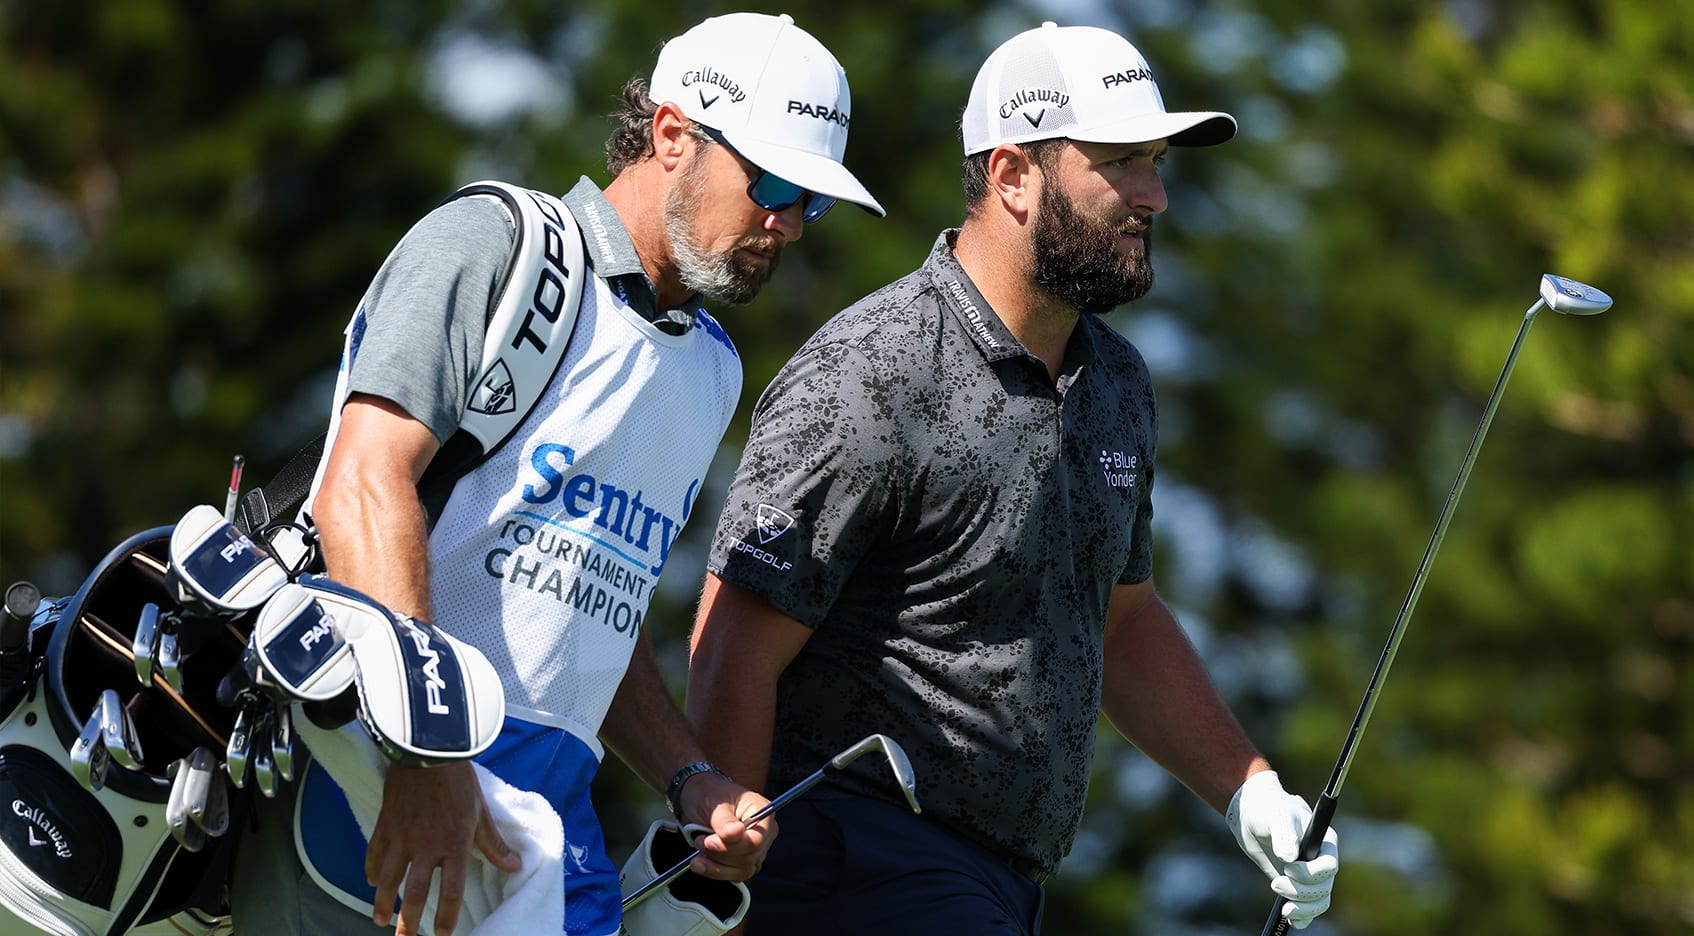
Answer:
x=815 y=487
x=419 y=339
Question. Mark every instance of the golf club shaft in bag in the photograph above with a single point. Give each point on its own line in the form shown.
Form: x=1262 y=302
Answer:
x=1562 y=295
x=897 y=761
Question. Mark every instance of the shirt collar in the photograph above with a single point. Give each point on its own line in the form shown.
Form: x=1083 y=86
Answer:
x=985 y=326
x=959 y=294
x=612 y=256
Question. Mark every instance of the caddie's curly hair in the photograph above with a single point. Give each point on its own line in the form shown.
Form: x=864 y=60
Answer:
x=973 y=175
x=632 y=140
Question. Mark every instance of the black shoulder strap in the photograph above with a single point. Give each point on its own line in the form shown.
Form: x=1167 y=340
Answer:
x=285 y=493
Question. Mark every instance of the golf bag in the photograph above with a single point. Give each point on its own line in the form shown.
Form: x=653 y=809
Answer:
x=76 y=860
x=137 y=715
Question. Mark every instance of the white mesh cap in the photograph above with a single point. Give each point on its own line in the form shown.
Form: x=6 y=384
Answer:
x=774 y=92
x=1081 y=83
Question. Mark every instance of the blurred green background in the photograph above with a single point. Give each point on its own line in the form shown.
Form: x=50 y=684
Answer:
x=193 y=196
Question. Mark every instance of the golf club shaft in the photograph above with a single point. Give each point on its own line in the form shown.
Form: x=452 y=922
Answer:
x=1324 y=812
x=675 y=871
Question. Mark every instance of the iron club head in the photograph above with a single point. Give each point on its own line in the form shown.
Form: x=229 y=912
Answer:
x=1571 y=297
x=897 y=761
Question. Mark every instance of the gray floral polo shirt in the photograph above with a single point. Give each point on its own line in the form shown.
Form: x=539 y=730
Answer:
x=950 y=523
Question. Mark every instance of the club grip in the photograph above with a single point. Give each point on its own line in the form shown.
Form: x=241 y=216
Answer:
x=1310 y=844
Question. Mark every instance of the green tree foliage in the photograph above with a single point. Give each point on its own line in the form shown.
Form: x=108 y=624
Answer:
x=193 y=196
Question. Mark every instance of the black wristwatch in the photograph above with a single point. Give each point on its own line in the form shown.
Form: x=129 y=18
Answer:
x=673 y=790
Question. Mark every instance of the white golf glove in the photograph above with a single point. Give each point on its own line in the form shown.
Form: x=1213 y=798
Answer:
x=1268 y=821
x=691 y=905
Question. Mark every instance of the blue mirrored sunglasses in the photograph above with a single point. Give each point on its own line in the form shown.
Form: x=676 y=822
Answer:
x=774 y=193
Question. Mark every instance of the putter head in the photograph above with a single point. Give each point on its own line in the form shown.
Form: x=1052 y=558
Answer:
x=1571 y=297
x=146 y=643
x=897 y=761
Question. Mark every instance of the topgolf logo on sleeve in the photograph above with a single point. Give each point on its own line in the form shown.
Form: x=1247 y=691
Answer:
x=772 y=523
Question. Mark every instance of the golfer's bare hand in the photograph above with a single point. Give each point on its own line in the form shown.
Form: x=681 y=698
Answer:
x=431 y=818
x=735 y=849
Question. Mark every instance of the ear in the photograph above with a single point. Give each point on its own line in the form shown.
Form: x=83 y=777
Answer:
x=670 y=135
x=1012 y=179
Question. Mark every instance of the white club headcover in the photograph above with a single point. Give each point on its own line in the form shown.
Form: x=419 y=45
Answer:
x=688 y=906
x=423 y=696
x=218 y=566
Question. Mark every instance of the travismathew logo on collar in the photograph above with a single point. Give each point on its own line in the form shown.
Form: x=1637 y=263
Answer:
x=1127 y=76
x=1028 y=96
x=711 y=76
x=1119 y=468
x=972 y=313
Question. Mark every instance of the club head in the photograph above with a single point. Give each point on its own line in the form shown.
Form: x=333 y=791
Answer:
x=170 y=661
x=240 y=747
x=117 y=732
x=146 y=642
x=282 y=742
x=184 y=830
x=1571 y=297
x=197 y=785
x=897 y=761
x=204 y=798
x=264 y=764
x=90 y=760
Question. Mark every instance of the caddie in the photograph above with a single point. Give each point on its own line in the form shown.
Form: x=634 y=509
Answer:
x=545 y=554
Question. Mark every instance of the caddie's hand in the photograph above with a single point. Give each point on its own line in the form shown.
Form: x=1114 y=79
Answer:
x=735 y=849
x=1269 y=822
x=431 y=818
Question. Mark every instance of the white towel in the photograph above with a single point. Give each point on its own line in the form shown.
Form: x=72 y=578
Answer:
x=531 y=900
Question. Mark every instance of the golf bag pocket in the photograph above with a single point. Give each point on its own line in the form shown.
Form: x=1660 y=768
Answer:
x=691 y=905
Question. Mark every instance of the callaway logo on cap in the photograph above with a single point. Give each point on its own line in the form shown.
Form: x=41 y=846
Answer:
x=1080 y=83
x=772 y=91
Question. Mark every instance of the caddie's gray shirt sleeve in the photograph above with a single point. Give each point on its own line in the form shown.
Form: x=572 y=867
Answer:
x=815 y=483
x=425 y=313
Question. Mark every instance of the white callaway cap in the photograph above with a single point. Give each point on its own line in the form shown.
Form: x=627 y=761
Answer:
x=774 y=92
x=1080 y=83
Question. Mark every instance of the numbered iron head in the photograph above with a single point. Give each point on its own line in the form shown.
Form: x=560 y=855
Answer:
x=169 y=660
x=240 y=748
x=90 y=761
x=117 y=732
x=1571 y=297
x=282 y=742
x=145 y=646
